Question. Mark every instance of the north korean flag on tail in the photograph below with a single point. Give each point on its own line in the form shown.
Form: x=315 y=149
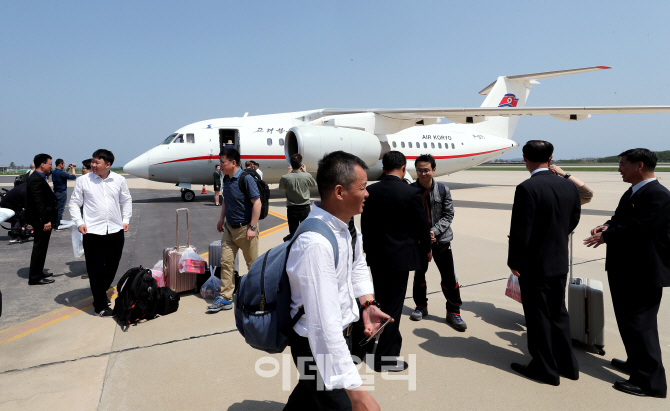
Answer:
x=509 y=100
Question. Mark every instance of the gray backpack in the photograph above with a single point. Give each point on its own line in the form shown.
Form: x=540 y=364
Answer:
x=263 y=300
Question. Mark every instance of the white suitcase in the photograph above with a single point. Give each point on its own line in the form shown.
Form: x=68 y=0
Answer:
x=586 y=308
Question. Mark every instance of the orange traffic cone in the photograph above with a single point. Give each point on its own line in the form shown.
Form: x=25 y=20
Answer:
x=203 y=190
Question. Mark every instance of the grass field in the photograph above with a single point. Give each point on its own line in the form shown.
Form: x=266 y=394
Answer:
x=566 y=167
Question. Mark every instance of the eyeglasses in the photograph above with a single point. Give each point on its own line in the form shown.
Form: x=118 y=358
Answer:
x=423 y=171
x=224 y=162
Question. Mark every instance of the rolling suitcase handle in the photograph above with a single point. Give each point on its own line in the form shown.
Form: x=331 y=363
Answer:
x=188 y=231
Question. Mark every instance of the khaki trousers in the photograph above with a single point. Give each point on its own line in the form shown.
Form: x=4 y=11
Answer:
x=235 y=239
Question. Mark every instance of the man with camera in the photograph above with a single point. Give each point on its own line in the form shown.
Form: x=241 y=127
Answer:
x=59 y=178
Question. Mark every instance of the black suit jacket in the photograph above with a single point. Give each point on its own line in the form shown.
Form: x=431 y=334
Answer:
x=394 y=225
x=546 y=210
x=42 y=206
x=638 y=237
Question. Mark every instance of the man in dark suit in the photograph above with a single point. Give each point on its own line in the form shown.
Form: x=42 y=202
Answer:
x=638 y=267
x=41 y=213
x=396 y=239
x=546 y=210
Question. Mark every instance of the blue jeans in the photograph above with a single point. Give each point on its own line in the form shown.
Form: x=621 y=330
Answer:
x=61 y=196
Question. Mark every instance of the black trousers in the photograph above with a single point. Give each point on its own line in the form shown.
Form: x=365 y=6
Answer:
x=296 y=214
x=308 y=394
x=103 y=253
x=636 y=310
x=390 y=289
x=548 y=326
x=444 y=259
x=39 y=255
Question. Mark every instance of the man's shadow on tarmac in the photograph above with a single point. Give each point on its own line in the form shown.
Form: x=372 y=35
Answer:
x=72 y=299
x=77 y=268
x=483 y=352
x=253 y=405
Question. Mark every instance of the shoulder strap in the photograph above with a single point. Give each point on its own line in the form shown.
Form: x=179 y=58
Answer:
x=240 y=181
x=318 y=226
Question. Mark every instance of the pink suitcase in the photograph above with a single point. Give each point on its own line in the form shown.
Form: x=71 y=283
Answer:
x=177 y=281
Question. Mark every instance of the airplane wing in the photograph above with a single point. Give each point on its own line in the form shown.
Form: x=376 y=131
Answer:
x=499 y=111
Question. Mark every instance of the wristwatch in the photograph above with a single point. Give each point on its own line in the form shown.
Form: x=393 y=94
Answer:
x=253 y=227
x=567 y=175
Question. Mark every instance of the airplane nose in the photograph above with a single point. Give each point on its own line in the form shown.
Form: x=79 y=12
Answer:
x=139 y=166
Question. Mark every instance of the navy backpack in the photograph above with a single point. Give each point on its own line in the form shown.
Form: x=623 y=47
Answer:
x=263 y=300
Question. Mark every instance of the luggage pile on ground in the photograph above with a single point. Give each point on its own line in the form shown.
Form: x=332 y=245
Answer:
x=140 y=298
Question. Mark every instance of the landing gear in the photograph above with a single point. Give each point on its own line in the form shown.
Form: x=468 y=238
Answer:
x=187 y=195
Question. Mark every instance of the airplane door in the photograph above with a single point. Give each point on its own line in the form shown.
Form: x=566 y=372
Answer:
x=228 y=136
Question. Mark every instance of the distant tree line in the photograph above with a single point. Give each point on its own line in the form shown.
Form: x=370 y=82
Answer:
x=663 y=157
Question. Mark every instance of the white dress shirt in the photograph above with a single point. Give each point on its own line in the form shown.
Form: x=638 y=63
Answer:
x=100 y=199
x=328 y=295
x=537 y=170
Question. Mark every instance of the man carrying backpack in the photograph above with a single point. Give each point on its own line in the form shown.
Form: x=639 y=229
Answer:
x=321 y=338
x=240 y=212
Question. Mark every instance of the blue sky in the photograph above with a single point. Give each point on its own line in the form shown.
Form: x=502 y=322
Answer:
x=77 y=76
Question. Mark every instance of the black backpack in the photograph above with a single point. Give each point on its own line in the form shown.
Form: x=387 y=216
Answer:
x=263 y=189
x=167 y=302
x=20 y=179
x=137 y=296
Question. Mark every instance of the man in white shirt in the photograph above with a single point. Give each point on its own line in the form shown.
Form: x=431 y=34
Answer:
x=102 y=224
x=321 y=339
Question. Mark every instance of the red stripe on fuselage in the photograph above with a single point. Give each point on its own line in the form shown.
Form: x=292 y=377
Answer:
x=460 y=155
x=213 y=157
x=277 y=157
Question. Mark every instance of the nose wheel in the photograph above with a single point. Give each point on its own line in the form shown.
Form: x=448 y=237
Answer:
x=187 y=195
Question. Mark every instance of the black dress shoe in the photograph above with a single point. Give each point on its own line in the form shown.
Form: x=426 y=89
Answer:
x=41 y=281
x=47 y=275
x=523 y=370
x=390 y=366
x=628 y=388
x=621 y=365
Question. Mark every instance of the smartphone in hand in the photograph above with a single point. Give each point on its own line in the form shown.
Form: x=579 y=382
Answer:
x=373 y=336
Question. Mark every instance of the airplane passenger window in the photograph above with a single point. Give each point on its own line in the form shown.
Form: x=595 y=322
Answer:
x=402 y=144
x=169 y=139
x=425 y=145
x=190 y=138
x=179 y=139
x=281 y=141
x=453 y=146
x=439 y=145
x=432 y=145
x=269 y=141
x=410 y=144
x=394 y=145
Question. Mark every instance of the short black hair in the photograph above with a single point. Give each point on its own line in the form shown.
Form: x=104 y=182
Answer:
x=425 y=158
x=59 y=161
x=296 y=161
x=41 y=159
x=218 y=165
x=337 y=168
x=248 y=163
x=538 y=151
x=87 y=163
x=636 y=155
x=230 y=154
x=105 y=155
x=393 y=160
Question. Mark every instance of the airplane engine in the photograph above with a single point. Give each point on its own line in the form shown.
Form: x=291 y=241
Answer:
x=312 y=142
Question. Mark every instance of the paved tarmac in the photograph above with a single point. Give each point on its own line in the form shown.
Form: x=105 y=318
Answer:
x=53 y=357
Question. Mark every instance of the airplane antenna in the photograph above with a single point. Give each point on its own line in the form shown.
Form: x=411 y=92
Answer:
x=246 y=114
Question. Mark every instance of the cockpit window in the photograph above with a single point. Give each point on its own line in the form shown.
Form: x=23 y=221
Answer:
x=190 y=138
x=169 y=139
x=179 y=139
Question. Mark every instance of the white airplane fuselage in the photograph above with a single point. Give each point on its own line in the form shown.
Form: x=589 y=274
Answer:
x=262 y=138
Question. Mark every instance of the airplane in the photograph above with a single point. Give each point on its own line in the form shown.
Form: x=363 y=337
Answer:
x=476 y=135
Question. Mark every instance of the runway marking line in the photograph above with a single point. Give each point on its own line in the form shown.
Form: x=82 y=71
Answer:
x=45 y=320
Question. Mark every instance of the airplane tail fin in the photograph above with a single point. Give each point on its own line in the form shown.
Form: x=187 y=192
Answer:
x=512 y=91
